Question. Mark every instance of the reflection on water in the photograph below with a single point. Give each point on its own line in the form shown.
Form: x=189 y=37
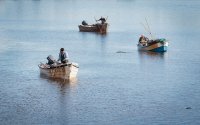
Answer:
x=61 y=82
x=150 y=59
x=150 y=54
x=85 y=34
x=66 y=89
x=94 y=35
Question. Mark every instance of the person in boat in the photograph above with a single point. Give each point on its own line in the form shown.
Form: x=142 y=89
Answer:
x=143 y=40
x=63 y=56
x=102 y=19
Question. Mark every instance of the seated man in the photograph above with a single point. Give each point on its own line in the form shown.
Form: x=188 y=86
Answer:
x=63 y=56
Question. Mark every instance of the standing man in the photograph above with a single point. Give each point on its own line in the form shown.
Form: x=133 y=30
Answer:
x=102 y=19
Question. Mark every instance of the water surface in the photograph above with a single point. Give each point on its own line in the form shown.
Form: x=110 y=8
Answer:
x=111 y=88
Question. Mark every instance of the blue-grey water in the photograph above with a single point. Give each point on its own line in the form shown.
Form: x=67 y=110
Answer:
x=130 y=88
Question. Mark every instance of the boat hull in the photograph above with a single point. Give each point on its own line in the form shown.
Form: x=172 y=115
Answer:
x=156 y=47
x=101 y=28
x=68 y=71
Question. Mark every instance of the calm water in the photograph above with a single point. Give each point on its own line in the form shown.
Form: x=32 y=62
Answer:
x=132 y=88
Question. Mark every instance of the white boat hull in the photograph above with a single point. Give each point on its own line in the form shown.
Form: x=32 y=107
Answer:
x=67 y=71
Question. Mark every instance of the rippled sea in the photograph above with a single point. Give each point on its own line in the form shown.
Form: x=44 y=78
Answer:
x=116 y=84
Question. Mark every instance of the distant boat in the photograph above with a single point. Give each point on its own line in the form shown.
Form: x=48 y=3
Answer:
x=54 y=69
x=155 y=45
x=98 y=27
x=158 y=45
x=62 y=71
x=101 y=28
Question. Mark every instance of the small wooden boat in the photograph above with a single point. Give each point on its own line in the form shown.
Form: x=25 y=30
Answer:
x=98 y=27
x=63 y=71
x=101 y=28
x=158 y=45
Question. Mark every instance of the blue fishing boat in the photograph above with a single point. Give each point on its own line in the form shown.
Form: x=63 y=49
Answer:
x=158 y=45
x=155 y=45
